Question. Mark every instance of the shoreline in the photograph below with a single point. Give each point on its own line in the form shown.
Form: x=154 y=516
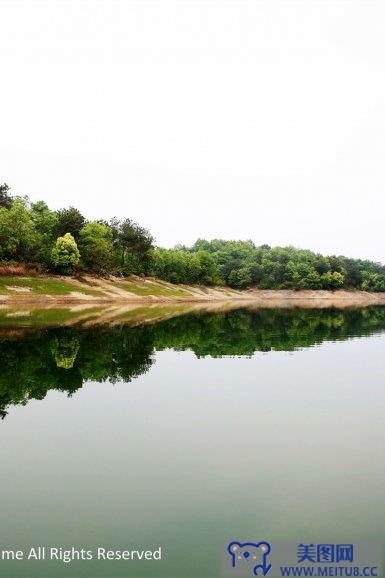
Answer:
x=256 y=297
x=49 y=291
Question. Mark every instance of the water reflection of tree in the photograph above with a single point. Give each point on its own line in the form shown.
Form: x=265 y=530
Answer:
x=63 y=359
x=65 y=350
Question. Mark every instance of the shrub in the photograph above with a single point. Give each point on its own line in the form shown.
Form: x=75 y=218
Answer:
x=65 y=254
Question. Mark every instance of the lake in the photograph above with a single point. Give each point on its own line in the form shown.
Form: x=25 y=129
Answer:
x=186 y=428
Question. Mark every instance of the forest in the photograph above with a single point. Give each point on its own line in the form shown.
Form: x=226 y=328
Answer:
x=36 y=239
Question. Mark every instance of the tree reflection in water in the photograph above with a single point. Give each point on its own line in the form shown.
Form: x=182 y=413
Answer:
x=36 y=360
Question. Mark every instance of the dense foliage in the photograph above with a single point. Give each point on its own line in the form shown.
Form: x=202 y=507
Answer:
x=64 y=241
x=241 y=264
x=183 y=266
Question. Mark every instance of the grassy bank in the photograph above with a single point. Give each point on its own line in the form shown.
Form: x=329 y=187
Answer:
x=89 y=288
x=48 y=290
x=51 y=290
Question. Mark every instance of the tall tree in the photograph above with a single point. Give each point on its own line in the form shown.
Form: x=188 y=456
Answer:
x=70 y=221
x=45 y=226
x=133 y=244
x=5 y=198
x=96 y=247
x=16 y=231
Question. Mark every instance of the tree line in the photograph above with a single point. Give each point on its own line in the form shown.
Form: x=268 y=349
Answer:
x=66 y=242
x=242 y=264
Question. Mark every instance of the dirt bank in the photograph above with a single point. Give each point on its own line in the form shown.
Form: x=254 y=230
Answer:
x=51 y=290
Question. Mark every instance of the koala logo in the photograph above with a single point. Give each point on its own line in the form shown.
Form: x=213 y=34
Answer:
x=250 y=556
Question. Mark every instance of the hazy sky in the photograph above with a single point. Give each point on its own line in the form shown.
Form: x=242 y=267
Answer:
x=261 y=120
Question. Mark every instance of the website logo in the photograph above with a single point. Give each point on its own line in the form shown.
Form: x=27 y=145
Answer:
x=251 y=558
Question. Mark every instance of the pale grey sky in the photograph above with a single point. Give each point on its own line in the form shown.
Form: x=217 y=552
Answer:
x=232 y=119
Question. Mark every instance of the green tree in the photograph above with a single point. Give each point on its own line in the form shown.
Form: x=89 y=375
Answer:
x=180 y=266
x=209 y=270
x=45 y=226
x=333 y=280
x=65 y=254
x=70 y=221
x=133 y=245
x=16 y=231
x=311 y=281
x=5 y=198
x=373 y=282
x=240 y=278
x=45 y=220
x=96 y=247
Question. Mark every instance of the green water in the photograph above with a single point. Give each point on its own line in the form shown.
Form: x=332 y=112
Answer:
x=190 y=432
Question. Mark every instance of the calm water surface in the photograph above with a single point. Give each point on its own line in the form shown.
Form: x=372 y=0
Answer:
x=190 y=432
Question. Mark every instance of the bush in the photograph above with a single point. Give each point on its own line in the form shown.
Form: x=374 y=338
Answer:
x=65 y=254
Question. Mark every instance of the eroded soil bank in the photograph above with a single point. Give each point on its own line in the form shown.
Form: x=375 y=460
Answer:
x=50 y=290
